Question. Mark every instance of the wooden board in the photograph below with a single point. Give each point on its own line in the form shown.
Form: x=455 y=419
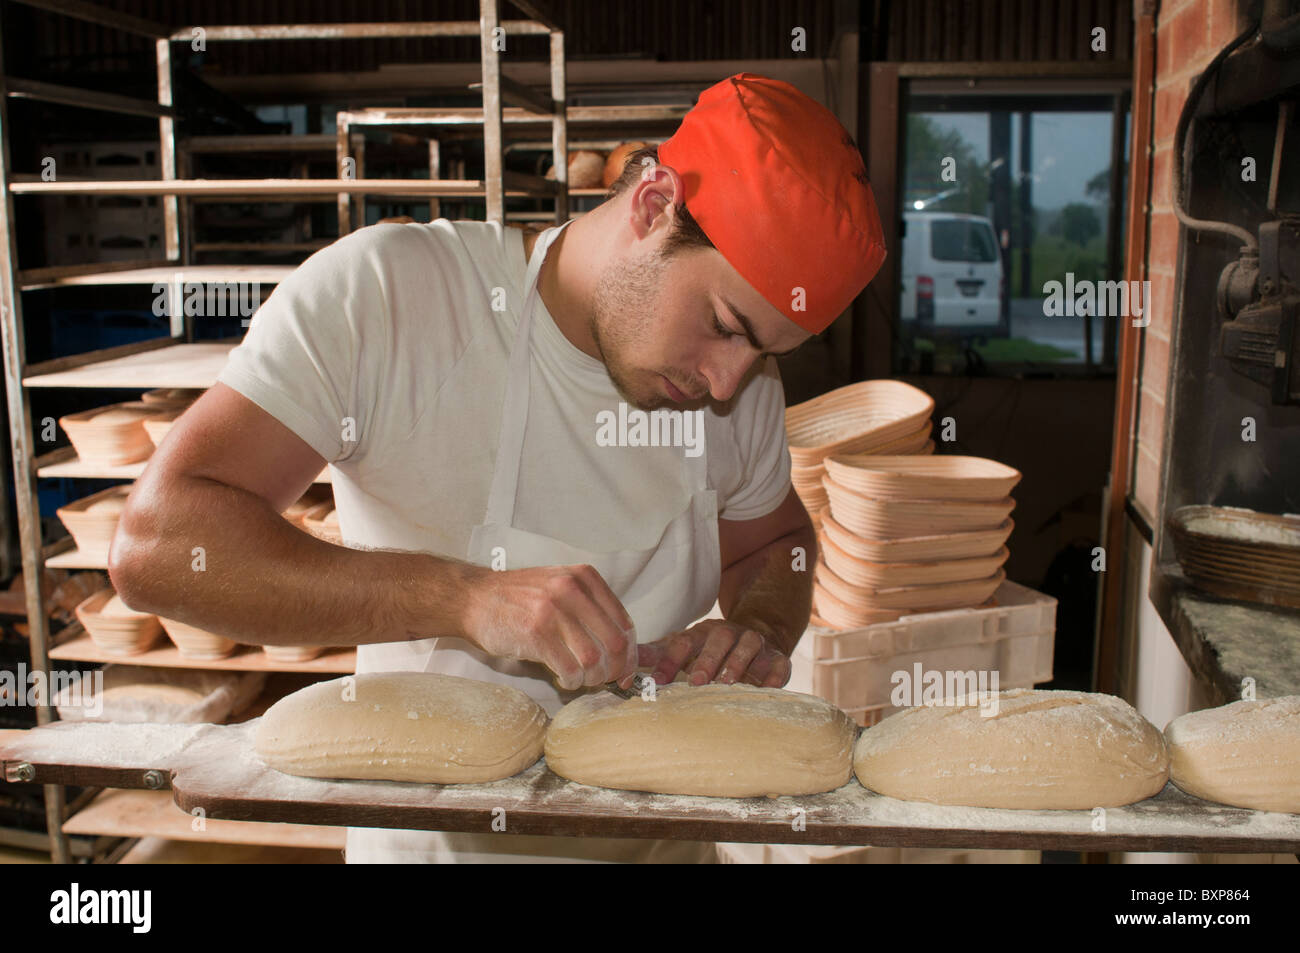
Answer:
x=177 y=365
x=169 y=274
x=125 y=813
x=159 y=850
x=164 y=654
x=213 y=767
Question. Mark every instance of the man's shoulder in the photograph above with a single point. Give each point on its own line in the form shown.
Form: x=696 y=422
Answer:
x=479 y=240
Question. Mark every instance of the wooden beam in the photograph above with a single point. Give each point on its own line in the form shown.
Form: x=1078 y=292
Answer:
x=40 y=276
x=539 y=10
x=322 y=142
x=85 y=98
x=270 y=190
x=493 y=139
x=524 y=97
x=93 y=13
x=351 y=31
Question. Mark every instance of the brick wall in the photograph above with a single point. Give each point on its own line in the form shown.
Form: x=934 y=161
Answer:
x=1189 y=33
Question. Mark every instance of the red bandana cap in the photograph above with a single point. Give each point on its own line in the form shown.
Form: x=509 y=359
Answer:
x=779 y=187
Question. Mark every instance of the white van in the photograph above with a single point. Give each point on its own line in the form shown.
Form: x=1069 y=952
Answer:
x=952 y=277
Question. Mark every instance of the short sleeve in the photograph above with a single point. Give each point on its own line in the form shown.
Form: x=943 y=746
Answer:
x=317 y=345
x=759 y=429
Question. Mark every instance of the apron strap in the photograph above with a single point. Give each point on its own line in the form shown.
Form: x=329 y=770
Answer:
x=514 y=410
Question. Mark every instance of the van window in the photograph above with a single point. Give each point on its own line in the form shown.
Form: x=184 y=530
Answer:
x=955 y=239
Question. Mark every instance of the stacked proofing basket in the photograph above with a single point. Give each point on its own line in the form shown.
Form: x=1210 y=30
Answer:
x=872 y=417
x=911 y=549
x=862 y=460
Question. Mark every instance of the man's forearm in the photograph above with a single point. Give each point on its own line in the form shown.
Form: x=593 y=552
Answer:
x=771 y=589
x=222 y=559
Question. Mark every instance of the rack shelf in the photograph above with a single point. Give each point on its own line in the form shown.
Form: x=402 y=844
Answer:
x=180 y=362
x=118 y=812
x=79 y=648
x=169 y=274
x=68 y=465
x=279 y=189
x=178 y=365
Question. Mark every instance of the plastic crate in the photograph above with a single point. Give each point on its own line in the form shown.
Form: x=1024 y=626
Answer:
x=1016 y=639
x=823 y=854
x=1018 y=610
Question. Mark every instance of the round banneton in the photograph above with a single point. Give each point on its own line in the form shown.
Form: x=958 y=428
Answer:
x=714 y=740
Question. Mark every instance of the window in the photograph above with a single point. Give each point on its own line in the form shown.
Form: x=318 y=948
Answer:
x=1004 y=193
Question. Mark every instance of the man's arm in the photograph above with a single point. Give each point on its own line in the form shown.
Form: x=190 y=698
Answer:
x=766 y=598
x=201 y=541
x=767 y=585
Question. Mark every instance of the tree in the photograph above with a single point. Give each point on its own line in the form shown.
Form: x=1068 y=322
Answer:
x=927 y=146
x=1079 y=223
x=1098 y=186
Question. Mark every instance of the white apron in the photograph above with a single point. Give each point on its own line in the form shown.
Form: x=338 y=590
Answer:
x=664 y=589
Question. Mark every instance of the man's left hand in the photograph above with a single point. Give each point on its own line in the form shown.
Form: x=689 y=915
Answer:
x=717 y=650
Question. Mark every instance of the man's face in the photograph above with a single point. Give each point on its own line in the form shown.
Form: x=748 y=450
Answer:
x=654 y=323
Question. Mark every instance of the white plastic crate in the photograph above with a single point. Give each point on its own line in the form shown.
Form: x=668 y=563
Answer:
x=1019 y=611
x=1016 y=639
x=824 y=854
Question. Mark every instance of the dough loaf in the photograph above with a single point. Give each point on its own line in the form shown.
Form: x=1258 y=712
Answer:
x=717 y=740
x=1042 y=750
x=1246 y=754
x=403 y=726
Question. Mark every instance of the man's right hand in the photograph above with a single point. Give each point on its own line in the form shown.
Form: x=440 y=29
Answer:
x=565 y=617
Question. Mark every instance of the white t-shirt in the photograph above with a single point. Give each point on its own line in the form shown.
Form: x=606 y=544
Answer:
x=385 y=353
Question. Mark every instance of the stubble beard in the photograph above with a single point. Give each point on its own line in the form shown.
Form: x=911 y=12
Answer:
x=621 y=324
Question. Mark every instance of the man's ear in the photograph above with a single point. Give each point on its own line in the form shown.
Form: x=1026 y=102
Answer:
x=657 y=192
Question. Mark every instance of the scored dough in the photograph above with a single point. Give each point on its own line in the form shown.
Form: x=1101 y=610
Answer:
x=1246 y=754
x=1042 y=750
x=716 y=740
x=403 y=726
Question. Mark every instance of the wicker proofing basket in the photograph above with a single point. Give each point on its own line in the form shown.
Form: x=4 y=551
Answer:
x=923 y=478
x=112 y=435
x=860 y=572
x=958 y=595
x=292 y=653
x=322 y=521
x=158 y=425
x=841 y=615
x=171 y=395
x=918 y=548
x=93 y=520
x=197 y=643
x=117 y=635
x=855 y=419
x=894 y=519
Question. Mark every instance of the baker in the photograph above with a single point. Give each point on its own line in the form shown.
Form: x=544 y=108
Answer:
x=454 y=375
